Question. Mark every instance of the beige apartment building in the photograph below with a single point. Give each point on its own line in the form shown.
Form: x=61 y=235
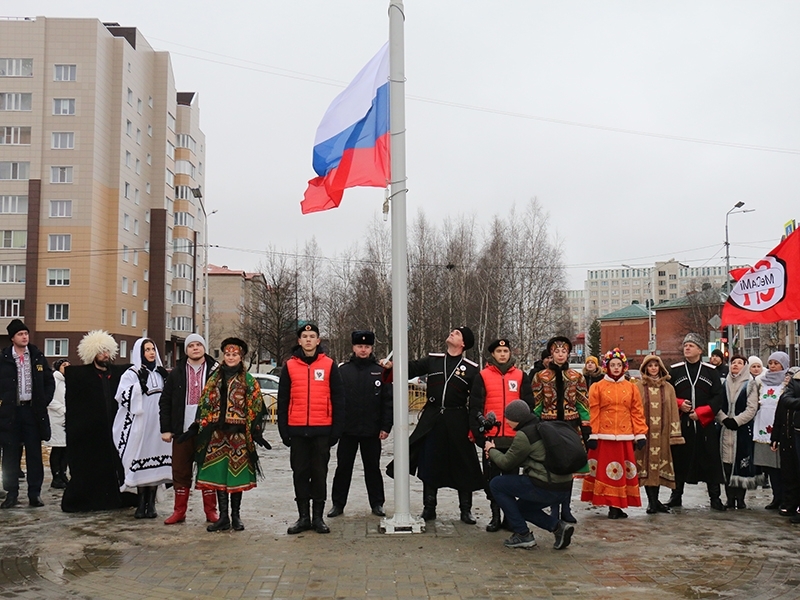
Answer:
x=101 y=174
x=233 y=295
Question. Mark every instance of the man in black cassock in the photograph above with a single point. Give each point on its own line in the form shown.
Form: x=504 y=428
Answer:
x=94 y=462
x=700 y=396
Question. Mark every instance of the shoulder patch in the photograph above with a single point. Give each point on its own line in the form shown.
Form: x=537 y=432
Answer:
x=469 y=362
x=678 y=364
x=436 y=354
x=710 y=365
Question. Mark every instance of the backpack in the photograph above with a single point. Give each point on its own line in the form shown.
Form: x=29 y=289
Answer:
x=563 y=447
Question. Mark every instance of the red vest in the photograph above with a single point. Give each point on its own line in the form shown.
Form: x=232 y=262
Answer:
x=500 y=390
x=310 y=396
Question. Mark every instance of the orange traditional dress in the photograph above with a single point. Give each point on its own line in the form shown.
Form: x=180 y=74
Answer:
x=617 y=420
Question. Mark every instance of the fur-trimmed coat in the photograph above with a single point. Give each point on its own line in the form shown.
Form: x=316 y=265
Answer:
x=654 y=461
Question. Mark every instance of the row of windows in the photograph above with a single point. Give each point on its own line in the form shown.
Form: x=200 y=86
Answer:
x=57 y=347
x=21 y=136
x=16 y=274
x=23 y=102
x=23 y=67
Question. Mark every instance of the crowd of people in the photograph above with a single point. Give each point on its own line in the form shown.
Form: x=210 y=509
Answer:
x=119 y=433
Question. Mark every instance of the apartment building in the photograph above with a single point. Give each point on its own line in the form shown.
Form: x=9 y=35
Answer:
x=234 y=296
x=101 y=175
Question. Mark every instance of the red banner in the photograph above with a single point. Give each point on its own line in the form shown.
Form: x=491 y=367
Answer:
x=769 y=291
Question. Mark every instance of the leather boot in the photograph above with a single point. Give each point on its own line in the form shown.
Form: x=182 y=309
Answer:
x=224 y=521
x=181 y=503
x=210 y=506
x=304 y=522
x=676 y=497
x=318 y=507
x=465 y=506
x=236 y=505
x=494 y=524
x=141 y=492
x=428 y=502
x=150 y=507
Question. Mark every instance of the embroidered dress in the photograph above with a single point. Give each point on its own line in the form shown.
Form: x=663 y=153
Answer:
x=654 y=461
x=226 y=454
x=617 y=420
x=147 y=459
x=768 y=396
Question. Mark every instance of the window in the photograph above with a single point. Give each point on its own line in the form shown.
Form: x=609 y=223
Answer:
x=57 y=312
x=150 y=130
x=182 y=324
x=16 y=67
x=63 y=140
x=182 y=297
x=60 y=208
x=12 y=307
x=133 y=318
x=147 y=187
x=135 y=288
x=144 y=305
x=59 y=242
x=138 y=167
x=14 y=170
x=15 y=136
x=149 y=159
x=138 y=136
x=184 y=192
x=136 y=198
x=136 y=227
x=60 y=174
x=58 y=277
x=170 y=121
x=673 y=286
x=662 y=273
x=183 y=271
x=136 y=257
x=56 y=347
x=170 y=150
x=146 y=275
x=123 y=319
x=128 y=128
x=184 y=219
x=123 y=348
x=139 y=105
x=184 y=167
x=125 y=254
x=13 y=239
x=130 y=96
x=662 y=292
x=15 y=101
x=184 y=140
x=147 y=216
x=63 y=106
x=170 y=178
x=14 y=205
x=12 y=273
x=673 y=277
x=128 y=159
x=150 y=101
x=65 y=73
x=126 y=222
x=147 y=246
x=183 y=245
x=124 y=285
x=126 y=190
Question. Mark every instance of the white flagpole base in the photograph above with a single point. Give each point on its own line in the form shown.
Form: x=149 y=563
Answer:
x=402 y=524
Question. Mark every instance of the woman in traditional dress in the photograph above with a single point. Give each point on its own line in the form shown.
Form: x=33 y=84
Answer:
x=592 y=373
x=768 y=388
x=229 y=424
x=56 y=410
x=619 y=427
x=146 y=458
x=662 y=416
x=559 y=394
x=736 y=440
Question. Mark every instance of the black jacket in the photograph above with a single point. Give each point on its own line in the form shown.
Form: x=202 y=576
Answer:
x=172 y=405
x=42 y=392
x=367 y=399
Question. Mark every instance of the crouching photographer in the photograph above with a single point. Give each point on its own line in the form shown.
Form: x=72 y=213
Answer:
x=522 y=497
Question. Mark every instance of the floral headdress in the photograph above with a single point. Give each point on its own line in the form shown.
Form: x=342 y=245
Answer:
x=615 y=353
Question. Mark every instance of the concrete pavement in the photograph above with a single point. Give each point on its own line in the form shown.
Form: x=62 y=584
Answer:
x=694 y=553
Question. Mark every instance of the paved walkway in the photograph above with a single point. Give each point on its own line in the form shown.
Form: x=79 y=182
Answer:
x=695 y=553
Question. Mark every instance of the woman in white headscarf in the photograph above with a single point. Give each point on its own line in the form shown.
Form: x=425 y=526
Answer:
x=769 y=387
x=146 y=458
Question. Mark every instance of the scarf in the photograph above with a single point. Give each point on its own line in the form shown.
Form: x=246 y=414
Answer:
x=734 y=384
x=773 y=378
x=504 y=367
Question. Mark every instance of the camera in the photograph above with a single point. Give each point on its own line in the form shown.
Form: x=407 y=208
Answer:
x=487 y=423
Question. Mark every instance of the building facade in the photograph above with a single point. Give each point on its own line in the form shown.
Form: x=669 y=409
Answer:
x=101 y=172
x=234 y=298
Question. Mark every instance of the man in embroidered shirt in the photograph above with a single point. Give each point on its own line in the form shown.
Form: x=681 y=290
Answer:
x=26 y=388
x=700 y=396
x=177 y=408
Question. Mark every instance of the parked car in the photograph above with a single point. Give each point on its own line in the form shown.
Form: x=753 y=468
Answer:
x=269 y=385
x=635 y=373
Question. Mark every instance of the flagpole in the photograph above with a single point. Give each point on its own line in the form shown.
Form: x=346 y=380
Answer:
x=402 y=521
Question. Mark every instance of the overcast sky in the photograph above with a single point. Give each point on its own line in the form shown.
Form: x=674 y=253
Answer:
x=725 y=72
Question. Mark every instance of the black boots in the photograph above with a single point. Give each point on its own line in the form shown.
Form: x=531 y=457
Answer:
x=147 y=503
x=494 y=524
x=653 y=504
x=224 y=522
x=465 y=506
x=428 y=503
x=676 y=497
x=236 y=505
x=304 y=522
x=317 y=523
x=141 y=492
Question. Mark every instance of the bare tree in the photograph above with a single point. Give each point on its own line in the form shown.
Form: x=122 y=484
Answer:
x=702 y=307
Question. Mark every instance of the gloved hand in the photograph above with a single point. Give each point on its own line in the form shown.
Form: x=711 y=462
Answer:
x=258 y=438
x=332 y=441
x=591 y=444
x=586 y=431
x=188 y=434
x=286 y=441
x=730 y=423
x=639 y=444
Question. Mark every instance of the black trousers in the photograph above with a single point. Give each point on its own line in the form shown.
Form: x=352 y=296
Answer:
x=58 y=461
x=370 y=458
x=24 y=433
x=309 y=457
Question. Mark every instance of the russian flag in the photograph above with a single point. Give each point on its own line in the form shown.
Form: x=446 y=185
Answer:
x=352 y=144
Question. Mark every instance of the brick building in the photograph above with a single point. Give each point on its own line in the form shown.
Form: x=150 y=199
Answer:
x=628 y=329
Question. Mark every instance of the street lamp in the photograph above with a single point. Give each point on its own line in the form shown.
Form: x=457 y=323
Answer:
x=651 y=338
x=198 y=193
x=737 y=208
